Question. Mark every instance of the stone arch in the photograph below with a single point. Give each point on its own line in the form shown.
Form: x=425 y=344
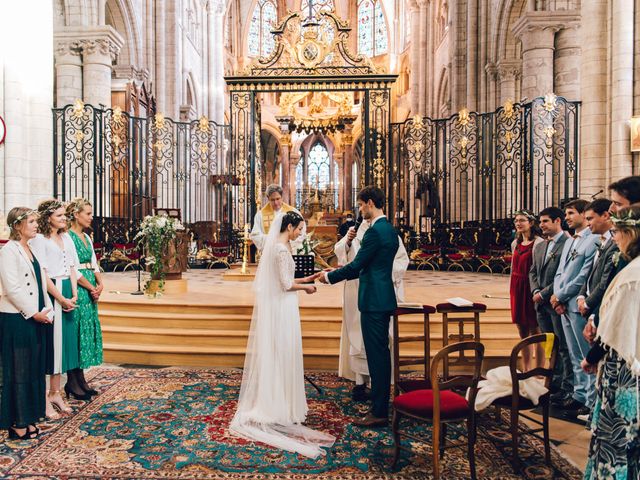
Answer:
x=443 y=94
x=120 y=14
x=506 y=44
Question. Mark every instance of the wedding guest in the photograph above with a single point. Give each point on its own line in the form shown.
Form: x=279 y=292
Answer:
x=523 y=312
x=573 y=271
x=624 y=192
x=599 y=219
x=24 y=310
x=352 y=363
x=615 y=441
x=80 y=214
x=546 y=258
x=55 y=250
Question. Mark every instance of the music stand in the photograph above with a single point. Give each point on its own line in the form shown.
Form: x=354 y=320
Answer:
x=305 y=266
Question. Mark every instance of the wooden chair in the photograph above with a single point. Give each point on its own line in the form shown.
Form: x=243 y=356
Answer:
x=461 y=316
x=518 y=404
x=409 y=384
x=440 y=406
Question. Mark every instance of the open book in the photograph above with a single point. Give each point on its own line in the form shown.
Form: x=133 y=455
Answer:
x=409 y=305
x=460 y=302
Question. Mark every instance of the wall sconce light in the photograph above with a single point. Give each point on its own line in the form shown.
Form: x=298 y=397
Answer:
x=634 y=133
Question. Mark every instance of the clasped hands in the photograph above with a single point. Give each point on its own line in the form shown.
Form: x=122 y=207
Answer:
x=559 y=307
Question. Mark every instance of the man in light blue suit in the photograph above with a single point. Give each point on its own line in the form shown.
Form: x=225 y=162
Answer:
x=573 y=271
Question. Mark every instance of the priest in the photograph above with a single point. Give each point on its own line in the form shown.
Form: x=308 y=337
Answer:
x=352 y=363
x=263 y=219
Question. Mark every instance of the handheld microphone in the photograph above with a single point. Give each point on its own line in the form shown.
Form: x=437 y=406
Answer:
x=597 y=193
x=358 y=222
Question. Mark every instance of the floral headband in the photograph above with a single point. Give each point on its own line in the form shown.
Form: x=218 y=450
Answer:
x=22 y=217
x=525 y=213
x=53 y=207
x=626 y=221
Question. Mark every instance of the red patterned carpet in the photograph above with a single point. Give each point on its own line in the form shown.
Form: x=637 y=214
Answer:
x=172 y=424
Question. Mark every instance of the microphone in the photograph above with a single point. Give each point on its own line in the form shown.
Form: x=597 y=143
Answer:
x=359 y=221
x=597 y=193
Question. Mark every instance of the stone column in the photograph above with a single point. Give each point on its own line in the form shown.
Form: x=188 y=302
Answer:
x=415 y=58
x=472 y=54
x=215 y=11
x=294 y=158
x=285 y=148
x=68 y=73
x=347 y=168
x=621 y=87
x=537 y=34
x=509 y=72
x=423 y=53
x=492 y=74
x=593 y=91
x=567 y=63
x=100 y=46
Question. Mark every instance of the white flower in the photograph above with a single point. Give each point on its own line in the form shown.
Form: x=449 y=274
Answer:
x=162 y=221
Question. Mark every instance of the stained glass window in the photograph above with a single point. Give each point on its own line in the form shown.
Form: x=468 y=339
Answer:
x=319 y=172
x=318 y=6
x=372 y=28
x=260 y=40
x=299 y=181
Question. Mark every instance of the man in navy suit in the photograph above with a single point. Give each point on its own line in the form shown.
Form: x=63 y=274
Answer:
x=373 y=266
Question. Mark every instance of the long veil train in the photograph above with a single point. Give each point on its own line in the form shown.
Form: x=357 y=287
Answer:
x=272 y=404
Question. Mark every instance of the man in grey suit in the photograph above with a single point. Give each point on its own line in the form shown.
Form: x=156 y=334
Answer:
x=546 y=257
x=603 y=270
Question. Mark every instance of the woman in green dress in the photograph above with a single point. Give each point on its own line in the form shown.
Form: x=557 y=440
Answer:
x=80 y=214
x=25 y=309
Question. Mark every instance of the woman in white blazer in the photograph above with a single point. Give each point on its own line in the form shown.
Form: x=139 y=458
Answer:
x=25 y=310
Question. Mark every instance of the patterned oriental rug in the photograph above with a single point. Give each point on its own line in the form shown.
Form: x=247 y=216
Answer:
x=173 y=424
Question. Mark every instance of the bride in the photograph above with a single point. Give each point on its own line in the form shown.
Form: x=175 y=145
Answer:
x=272 y=405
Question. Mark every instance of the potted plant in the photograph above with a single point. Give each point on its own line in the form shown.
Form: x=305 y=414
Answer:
x=156 y=235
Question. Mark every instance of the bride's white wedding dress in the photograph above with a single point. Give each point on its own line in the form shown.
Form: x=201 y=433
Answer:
x=272 y=403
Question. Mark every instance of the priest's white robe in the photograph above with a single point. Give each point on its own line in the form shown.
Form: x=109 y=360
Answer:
x=352 y=363
x=258 y=235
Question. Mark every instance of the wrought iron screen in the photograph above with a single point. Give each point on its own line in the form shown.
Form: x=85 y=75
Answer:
x=480 y=168
x=128 y=166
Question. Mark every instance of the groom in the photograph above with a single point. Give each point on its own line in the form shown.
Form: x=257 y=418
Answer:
x=373 y=265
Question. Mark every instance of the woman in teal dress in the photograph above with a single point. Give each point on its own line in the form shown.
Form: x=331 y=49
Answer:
x=25 y=309
x=80 y=214
x=614 y=452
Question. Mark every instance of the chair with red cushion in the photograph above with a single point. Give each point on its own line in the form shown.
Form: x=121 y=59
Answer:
x=517 y=404
x=439 y=406
x=133 y=255
x=98 y=248
x=403 y=385
x=221 y=252
x=428 y=257
x=460 y=316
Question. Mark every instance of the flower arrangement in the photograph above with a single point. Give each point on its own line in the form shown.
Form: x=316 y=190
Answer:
x=155 y=234
x=305 y=244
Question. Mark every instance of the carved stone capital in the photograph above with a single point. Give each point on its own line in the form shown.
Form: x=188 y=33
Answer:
x=102 y=40
x=216 y=7
x=537 y=29
x=491 y=69
x=509 y=69
x=63 y=48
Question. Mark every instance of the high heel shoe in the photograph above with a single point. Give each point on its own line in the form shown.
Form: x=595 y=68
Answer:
x=51 y=413
x=58 y=402
x=90 y=391
x=71 y=394
x=13 y=435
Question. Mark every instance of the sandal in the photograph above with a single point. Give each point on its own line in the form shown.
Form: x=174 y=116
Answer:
x=58 y=402
x=13 y=435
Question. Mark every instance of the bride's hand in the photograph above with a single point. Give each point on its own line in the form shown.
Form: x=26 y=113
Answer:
x=310 y=289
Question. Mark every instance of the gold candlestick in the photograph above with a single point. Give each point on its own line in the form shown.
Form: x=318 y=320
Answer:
x=244 y=270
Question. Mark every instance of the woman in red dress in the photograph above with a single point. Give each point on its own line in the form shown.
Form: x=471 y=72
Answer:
x=523 y=313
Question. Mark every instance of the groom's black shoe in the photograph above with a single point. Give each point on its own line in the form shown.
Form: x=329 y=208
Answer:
x=360 y=393
x=370 y=421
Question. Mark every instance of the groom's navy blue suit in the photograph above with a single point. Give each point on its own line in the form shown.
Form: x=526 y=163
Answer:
x=373 y=265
